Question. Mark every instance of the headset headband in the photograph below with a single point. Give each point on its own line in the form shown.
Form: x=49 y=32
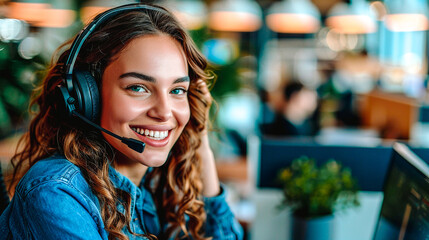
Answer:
x=101 y=18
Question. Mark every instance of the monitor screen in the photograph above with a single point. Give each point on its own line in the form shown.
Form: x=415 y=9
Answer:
x=404 y=212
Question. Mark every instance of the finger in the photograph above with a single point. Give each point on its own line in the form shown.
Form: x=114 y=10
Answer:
x=202 y=86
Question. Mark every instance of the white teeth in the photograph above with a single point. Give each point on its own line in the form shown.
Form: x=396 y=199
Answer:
x=157 y=135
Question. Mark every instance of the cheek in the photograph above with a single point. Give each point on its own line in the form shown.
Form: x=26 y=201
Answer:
x=117 y=109
x=115 y=115
x=183 y=114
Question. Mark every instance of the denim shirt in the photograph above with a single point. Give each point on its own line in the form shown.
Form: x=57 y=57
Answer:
x=54 y=201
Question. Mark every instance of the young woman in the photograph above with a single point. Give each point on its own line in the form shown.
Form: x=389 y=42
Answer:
x=72 y=181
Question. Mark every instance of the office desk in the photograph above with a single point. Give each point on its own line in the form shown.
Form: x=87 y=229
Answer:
x=353 y=224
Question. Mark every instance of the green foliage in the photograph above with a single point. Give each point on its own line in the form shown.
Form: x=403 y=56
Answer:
x=227 y=80
x=226 y=76
x=17 y=79
x=313 y=191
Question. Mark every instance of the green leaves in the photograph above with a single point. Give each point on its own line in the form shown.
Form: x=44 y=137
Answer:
x=17 y=79
x=313 y=191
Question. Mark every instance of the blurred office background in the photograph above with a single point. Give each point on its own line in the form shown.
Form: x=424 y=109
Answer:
x=366 y=60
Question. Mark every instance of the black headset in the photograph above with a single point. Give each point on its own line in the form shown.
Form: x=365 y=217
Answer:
x=79 y=91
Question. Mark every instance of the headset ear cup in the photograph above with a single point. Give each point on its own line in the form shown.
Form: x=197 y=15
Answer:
x=65 y=103
x=87 y=94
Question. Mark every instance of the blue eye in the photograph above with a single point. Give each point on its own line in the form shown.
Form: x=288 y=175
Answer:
x=178 y=91
x=137 y=88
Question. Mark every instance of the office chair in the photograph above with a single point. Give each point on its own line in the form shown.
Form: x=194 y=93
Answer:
x=4 y=197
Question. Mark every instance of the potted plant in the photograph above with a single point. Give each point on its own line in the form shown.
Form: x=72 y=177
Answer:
x=314 y=193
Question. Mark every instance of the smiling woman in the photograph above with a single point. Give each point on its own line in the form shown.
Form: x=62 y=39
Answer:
x=135 y=74
x=143 y=95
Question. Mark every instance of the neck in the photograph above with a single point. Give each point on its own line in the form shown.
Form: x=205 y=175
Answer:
x=130 y=169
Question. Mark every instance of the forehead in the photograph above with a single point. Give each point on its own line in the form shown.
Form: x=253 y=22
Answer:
x=153 y=45
x=159 y=56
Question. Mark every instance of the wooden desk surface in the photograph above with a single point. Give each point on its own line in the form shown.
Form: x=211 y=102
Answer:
x=234 y=170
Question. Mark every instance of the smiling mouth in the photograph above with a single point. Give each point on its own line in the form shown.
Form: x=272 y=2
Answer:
x=155 y=135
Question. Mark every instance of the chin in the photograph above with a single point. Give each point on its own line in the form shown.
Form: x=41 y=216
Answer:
x=147 y=158
x=150 y=160
x=155 y=162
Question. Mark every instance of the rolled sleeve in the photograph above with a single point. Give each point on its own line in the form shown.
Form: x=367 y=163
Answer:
x=221 y=223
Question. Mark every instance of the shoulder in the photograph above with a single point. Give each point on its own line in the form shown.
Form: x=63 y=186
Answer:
x=55 y=172
x=55 y=193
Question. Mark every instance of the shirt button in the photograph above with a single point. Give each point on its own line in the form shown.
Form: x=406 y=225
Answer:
x=135 y=219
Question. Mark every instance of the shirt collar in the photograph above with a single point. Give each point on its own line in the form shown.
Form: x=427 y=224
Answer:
x=121 y=182
x=125 y=184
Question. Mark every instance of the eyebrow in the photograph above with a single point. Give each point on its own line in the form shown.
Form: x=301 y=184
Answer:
x=151 y=79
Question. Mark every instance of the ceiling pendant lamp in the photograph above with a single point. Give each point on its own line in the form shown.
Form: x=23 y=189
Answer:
x=293 y=16
x=59 y=15
x=235 y=16
x=191 y=13
x=406 y=16
x=27 y=11
x=93 y=7
x=356 y=18
x=41 y=14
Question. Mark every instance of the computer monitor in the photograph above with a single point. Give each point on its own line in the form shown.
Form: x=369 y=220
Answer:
x=404 y=213
x=368 y=164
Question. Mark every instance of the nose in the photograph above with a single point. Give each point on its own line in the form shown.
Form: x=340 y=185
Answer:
x=161 y=109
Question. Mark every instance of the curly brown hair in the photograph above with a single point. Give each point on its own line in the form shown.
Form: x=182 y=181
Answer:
x=176 y=186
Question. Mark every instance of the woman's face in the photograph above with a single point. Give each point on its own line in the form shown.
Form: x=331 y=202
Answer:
x=144 y=96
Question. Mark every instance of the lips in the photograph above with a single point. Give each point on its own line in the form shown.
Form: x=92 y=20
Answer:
x=152 y=134
x=152 y=137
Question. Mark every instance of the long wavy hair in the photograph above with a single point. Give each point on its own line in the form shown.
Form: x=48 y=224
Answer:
x=176 y=186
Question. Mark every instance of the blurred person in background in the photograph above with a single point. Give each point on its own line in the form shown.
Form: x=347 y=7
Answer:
x=72 y=181
x=294 y=116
